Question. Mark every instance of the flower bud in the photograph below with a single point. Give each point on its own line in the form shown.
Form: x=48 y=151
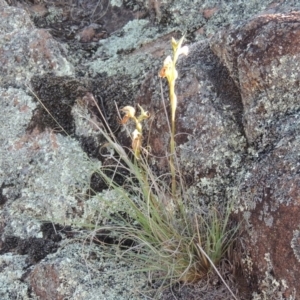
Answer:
x=129 y=113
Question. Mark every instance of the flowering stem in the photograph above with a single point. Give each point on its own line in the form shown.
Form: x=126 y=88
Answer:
x=169 y=71
x=173 y=101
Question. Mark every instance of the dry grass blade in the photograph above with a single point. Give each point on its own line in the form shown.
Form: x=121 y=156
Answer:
x=214 y=267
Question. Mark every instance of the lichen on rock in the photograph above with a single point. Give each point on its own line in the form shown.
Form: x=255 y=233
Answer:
x=295 y=244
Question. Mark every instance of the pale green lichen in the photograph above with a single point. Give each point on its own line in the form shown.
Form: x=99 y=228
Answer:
x=272 y=289
x=275 y=108
x=89 y=271
x=99 y=208
x=134 y=34
x=295 y=244
x=53 y=186
x=117 y=3
x=12 y=285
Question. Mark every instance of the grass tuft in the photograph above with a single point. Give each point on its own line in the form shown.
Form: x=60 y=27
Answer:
x=169 y=241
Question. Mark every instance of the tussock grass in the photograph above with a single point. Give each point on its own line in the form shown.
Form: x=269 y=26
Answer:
x=169 y=240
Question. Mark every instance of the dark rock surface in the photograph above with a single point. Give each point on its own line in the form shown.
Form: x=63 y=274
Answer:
x=263 y=58
x=237 y=125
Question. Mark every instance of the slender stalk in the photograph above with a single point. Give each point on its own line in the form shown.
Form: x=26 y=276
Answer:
x=213 y=265
x=173 y=101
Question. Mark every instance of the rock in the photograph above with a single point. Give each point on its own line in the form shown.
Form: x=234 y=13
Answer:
x=82 y=273
x=26 y=50
x=269 y=201
x=237 y=125
x=12 y=270
x=263 y=57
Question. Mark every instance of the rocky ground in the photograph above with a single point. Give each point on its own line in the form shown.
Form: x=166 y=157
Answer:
x=238 y=125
